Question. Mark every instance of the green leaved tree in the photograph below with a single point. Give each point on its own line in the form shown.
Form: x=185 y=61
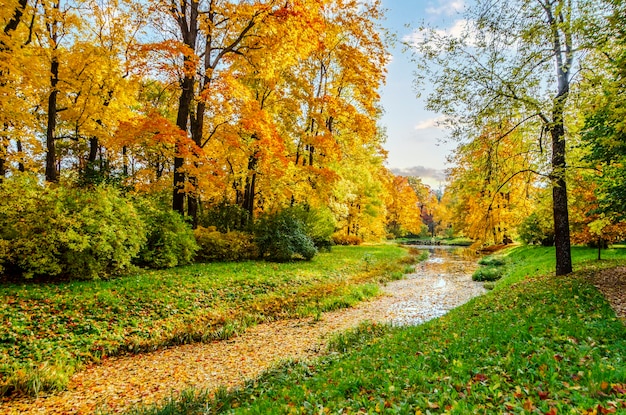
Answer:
x=516 y=60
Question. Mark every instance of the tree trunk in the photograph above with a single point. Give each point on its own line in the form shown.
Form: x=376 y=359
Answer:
x=184 y=106
x=187 y=20
x=562 y=47
x=51 y=168
x=559 y=200
x=125 y=161
x=250 y=188
x=3 y=154
x=20 y=152
x=178 y=197
x=92 y=156
x=193 y=202
x=197 y=131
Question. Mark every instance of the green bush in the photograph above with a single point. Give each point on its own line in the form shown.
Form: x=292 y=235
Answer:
x=537 y=230
x=319 y=225
x=282 y=237
x=492 y=261
x=225 y=217
x=224 y=246
x=343 y=239
x=53 y=231
x=169 y=239
x=487 y=274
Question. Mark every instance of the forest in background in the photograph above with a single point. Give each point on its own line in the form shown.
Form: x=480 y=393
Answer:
x=156 y=133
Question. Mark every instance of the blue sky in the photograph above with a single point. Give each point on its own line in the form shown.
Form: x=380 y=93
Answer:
x=413 y=140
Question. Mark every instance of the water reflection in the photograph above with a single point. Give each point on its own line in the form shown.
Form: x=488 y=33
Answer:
x=440 y=283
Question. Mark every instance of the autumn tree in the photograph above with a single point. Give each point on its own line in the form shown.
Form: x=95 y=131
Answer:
x=17 y=23
x=207 y=34
x=288 y=115
x=65 y=82
x=403 y=207
x=492 y=179
x=515 y=57
x=592 y=225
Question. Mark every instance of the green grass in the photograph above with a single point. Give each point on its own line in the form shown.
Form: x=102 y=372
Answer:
x=491 y=268
x=536 y=344
x=492 y=261
x=49 y=330
x=538 y=260
x=488 y=273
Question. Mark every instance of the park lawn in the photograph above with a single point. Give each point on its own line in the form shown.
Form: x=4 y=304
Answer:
x=523 y=261
x=49 y=330
x=539 y=345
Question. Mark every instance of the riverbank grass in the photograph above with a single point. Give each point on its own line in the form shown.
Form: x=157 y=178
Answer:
x=51 y=329
x=524 y=261
x=536 y=344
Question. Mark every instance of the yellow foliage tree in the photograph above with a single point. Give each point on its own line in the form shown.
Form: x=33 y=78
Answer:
x=492 y=182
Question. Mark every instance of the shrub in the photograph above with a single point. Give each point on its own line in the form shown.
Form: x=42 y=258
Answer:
x=536 y=229
x=282 y=237
x=487 y=274
x=319 y=224
x=169 y=239
x=224 y=246
x=492 y=261
x=343 y=239
x=225 y=217
x=54 y=231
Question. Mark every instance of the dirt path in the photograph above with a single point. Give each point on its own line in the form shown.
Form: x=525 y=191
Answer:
x=438 y=285
x=612 y=283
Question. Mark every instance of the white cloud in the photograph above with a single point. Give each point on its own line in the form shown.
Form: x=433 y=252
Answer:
x=460 y=29
x=430 y=176
x=430 y=123
x=457 y=30
x=447 y=7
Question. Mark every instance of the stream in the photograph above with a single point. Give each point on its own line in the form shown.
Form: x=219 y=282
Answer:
x=438 y=284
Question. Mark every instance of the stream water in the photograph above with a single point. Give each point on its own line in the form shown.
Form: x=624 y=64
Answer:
x=440 y=283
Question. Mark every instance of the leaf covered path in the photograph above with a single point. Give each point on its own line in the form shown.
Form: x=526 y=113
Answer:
x=116 y=384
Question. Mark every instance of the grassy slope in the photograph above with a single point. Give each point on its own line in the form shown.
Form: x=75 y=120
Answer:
x=538 y=345
x=534 y=260
x=50 y=329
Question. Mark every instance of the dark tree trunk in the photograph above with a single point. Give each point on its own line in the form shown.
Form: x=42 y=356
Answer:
x=193 y=202
x=3 y=169
x=93 y=151
x=51 y=165
x=197 y=131
x=20 y=151
x=184 y=106
x=250 y=188
x=311 y=151
x=187 y=19
x=562 y=47
x=125 y=161
x=559 y=201
x=178 y=198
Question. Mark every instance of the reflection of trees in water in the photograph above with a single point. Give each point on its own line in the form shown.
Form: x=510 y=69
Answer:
x=448 y=260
